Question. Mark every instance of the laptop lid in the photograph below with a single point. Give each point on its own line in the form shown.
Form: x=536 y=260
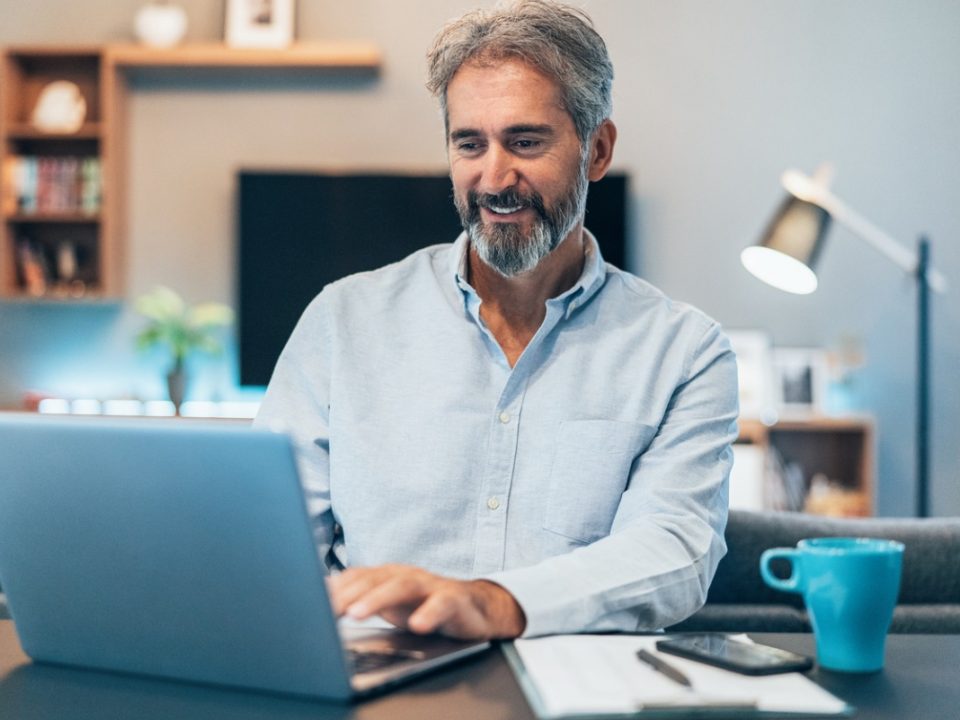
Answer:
x=181 y=550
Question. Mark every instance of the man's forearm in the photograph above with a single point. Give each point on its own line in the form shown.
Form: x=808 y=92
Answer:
x=507 y=618
x=641 y=578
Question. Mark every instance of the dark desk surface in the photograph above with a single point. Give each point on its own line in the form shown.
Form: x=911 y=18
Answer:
x=920 y=682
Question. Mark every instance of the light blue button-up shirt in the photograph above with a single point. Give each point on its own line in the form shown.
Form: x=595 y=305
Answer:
x=590 y=480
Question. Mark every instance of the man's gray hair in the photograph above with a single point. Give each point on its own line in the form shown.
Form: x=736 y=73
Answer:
x=558 y=40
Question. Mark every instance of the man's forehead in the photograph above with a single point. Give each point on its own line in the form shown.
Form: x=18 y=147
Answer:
x=511 y=70
x=508 y=91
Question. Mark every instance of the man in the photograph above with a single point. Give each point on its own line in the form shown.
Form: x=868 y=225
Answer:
x=506 y=436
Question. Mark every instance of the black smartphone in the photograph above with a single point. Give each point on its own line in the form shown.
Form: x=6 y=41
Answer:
x=722 y=651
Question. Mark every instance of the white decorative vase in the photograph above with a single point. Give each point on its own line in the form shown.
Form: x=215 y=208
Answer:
x=60 y=108
x=160 y=24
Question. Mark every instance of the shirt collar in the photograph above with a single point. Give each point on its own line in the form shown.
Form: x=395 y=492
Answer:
x=458 y=261
x=590 y=280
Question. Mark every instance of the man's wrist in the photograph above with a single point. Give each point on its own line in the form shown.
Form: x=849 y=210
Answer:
x=503 y=612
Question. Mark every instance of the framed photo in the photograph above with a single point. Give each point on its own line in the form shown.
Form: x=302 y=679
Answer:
x=801 y=380
x=259 y=23
x=754 y=373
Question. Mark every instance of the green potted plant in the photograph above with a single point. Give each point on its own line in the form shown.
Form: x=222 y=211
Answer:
x=181 y=329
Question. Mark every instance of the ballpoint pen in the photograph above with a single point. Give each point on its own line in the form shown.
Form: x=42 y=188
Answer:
x=664 y=668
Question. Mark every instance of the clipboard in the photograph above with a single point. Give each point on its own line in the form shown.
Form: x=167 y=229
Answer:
x=574 y=677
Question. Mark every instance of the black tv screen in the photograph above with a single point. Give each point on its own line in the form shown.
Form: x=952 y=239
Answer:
x=300 y=231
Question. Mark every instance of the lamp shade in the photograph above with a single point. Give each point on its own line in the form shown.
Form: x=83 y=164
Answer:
x=786 y=255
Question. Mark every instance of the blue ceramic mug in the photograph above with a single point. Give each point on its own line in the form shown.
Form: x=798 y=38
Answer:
x=850 y=587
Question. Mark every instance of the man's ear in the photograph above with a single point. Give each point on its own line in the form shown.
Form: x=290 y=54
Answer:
x=601 y=150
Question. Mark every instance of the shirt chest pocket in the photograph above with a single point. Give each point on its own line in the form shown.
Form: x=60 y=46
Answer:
x=591 y=466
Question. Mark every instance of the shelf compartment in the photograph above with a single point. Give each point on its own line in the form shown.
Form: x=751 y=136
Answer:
x=27 y=71
x=841 y=449
x=56 y=260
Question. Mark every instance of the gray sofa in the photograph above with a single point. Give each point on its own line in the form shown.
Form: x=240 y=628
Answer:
x=739 y=600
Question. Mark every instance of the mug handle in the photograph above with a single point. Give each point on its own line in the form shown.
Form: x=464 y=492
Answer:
x=790 y=584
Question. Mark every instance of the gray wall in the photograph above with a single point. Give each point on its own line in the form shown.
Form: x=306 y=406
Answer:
x=713 y=101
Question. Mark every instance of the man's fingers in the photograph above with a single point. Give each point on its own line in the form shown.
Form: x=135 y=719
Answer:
x=401 y=590
x=432 y=613
x=345 y=590
x=423 y=602
x=351 y=585
x=448 y=612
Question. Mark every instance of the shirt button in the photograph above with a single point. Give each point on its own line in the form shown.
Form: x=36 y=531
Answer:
x=493 y=503
x=504 y=417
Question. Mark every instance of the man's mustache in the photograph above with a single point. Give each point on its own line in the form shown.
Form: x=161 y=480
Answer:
x=507 y=198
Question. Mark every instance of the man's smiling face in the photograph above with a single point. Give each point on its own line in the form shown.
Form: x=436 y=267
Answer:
x=516 y=163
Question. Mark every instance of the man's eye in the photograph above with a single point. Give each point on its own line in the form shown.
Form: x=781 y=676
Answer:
x=467 y=146
x=526 y=144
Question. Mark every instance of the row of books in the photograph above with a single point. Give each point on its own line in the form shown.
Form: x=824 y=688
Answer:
x=51 y=184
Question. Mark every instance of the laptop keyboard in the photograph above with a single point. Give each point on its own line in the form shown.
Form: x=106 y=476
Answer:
x=363 y=661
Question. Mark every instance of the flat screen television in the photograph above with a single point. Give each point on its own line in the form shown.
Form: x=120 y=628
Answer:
x=298 y=231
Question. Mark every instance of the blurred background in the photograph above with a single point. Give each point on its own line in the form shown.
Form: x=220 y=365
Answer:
x=713 y=102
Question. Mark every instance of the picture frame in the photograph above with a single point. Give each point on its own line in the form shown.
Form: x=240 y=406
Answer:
x=755 y=379
x=800 y=380
x=259 y=23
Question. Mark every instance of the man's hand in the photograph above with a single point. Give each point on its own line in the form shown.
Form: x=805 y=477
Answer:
x=422 y=602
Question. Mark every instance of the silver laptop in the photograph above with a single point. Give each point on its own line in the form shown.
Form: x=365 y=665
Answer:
x=184 y=551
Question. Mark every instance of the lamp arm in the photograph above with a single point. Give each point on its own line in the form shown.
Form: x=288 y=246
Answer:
x=870 y=233
x=808 y=189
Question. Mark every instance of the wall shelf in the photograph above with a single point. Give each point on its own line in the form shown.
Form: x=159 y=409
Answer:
x=217 y=55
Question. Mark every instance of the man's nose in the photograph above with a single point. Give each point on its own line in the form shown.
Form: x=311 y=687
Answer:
x=499 y=171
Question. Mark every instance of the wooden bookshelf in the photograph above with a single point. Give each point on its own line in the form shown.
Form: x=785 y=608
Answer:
x=839 y=449
x=53 y=242
x=98 y=236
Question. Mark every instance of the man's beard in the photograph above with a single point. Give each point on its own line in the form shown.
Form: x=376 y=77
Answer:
x=505 y=247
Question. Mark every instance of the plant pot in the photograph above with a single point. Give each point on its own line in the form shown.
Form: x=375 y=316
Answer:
x=177 y=387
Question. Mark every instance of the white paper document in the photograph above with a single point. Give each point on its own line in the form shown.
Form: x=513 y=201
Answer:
x=592 y=675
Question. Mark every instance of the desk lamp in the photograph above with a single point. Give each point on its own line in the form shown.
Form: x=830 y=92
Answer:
x=786 y=257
